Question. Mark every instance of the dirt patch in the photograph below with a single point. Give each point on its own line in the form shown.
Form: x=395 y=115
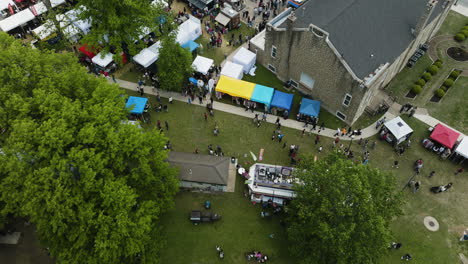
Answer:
x=458 y=54
x=435 y=99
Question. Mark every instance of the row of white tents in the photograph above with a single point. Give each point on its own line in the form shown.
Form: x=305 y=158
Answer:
x=25 y=15
x=242 y=62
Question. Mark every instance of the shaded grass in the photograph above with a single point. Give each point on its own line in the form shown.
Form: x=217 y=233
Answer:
x=242 y=229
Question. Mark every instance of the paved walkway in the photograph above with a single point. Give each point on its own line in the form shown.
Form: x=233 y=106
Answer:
x=291 y=123
x=461 y=7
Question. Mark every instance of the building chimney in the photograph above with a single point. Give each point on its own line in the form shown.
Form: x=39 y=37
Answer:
x=422 y=22
x=290 y=21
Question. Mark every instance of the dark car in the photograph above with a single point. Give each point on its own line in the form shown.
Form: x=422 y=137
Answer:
x=206 y=217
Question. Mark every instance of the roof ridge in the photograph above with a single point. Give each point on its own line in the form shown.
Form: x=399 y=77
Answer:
x=343 y=10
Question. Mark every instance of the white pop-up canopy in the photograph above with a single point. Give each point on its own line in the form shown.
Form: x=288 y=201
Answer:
x=233 y=70
x=189 y=30
x=45 y=30
x=462 y=148
x=72 y=33
x=399 y=129
x=202 y=64
x=102 y=61
x=4 y=4
x=148 y=56
x=16 y=20
x=245 y=58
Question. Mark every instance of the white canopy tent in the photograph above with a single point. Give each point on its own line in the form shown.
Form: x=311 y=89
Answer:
x=102 y=61
x=189 y=30
x=72 y=33
x=399 y=129
x=40 y=8
x=233 y=70
x=462 y=148
x=202 y=64
x=72 y=17
x=245 y=58
x=45 y=30
x=164 y=3
x=4 y=4
x=148 y=56
x=55 y=3
x=16 y=20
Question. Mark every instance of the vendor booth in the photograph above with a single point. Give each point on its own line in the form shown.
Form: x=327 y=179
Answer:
x=281 y=100
x=309 y=107
x=245 y=58
x=148 y=56
x=235 y=87
x=189 y=30
x=262 y=94
x=445 y=136
x=228 y=17
x=136 y=104
x=84 y=49
x=396 y=131
x=233 y=70
x=102 y=61
x=202 y=64
x=45 y=31
x=72 y=33
x=461 y=151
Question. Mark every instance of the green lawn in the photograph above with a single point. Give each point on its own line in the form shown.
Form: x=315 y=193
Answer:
x=453 y=24
x=453 y=107
x=242 y=229
x=401 y=84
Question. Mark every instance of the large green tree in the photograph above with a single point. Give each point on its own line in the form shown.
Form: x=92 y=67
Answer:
x=119 y=24
x=342 y=212
x=94 y=186
x=174 y=64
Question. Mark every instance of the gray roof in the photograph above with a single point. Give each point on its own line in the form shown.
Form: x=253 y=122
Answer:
x=201 y=168
x=359 y=28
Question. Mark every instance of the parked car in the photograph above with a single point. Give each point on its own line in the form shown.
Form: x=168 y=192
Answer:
x=203 y=217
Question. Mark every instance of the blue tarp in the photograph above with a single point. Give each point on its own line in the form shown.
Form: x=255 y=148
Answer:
x=191 y=45
x=193 y=80
x=137 y=104
x=262 y=94
x=282 y=100
x=309 y=107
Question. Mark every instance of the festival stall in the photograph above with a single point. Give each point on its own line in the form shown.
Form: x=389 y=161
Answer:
x=233 y=70
x=262 y=94
x=281 y=100
x=190 y=45
x=148 y=56
x=136 y=105
x=16 y=20
x=245 y=58
x=102 y=61
x=396 y=131
x=235 y=87
x=202 y=64
x=45 y=31
x=461 y=151
x=84 y=49
x=445 y=136
x=189 y=30
x=309 y=107
x=72 y=33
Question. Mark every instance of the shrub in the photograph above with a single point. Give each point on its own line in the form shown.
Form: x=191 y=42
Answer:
x=465 y=28
x=448 y=82
x=460 y=37
x=440 y=93
x=427 y=76
x=454 y=74
x=465 y=32
x=433 y=69
x=438 y=63
x=444 y=88
x=421 y=82
x=416 y=89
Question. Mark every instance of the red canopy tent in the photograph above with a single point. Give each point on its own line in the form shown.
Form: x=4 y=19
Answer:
x=444 y=135
x=84 y=49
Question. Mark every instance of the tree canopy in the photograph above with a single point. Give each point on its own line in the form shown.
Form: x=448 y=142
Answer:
x=342 y=211
x=93 y=185
x=118 y=25
x=174 y=64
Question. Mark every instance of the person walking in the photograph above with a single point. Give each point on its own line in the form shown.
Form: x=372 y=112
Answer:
x=206 y=116
x=277 y=121
x=338 y=132
x=412 y=112
x=280 y=137
x=303 y=132
x=317 y=139
x=322 y=126
x=264 y=117
x=167 y=125
x=159 y=125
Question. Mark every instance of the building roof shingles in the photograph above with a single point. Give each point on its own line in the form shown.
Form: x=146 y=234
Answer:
x=359 y=28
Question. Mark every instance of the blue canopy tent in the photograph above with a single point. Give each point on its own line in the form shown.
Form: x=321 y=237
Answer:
x=282 y=100
x=191 y=45
x=136 y=104
x=262 y=94
x=193 y=80
x=309 y=107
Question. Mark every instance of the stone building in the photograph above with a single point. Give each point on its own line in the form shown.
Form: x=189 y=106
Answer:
x=341 y=52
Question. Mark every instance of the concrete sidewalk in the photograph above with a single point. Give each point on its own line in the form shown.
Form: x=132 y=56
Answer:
x=240 y=111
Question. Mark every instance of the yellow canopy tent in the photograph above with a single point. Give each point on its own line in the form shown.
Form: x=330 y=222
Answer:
x=235 y=87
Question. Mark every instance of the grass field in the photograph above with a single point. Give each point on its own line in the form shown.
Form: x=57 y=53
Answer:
x=453 y=24
x=238 y=136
